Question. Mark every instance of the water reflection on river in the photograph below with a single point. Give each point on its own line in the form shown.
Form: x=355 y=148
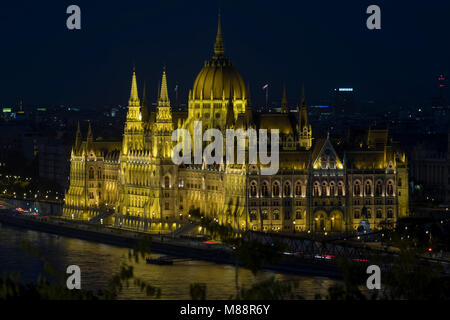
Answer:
x=99 y=261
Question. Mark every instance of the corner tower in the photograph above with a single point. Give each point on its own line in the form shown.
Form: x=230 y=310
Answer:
x=133 y=135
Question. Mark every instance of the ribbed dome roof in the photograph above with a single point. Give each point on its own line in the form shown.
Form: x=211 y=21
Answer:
x=219 y=76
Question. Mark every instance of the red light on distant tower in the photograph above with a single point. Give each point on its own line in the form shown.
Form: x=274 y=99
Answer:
x=441 y=80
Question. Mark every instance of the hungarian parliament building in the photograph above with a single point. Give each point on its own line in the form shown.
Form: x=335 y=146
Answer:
x=134 y=183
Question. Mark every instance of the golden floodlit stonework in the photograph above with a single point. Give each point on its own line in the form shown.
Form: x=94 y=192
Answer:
x=134 y=183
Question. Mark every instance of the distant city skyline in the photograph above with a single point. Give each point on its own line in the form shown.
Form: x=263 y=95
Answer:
x=323 y=46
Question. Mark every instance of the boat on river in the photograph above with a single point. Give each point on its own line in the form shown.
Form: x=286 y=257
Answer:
x=161 y=261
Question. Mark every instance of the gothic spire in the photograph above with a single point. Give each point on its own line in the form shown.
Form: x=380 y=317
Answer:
x=78 y=138
x=163 y=112
x=90 y=137
x=134 y=98
x=302 y=111
x=230 y=111
x=163 y=94
x=219 y=48
x=248 y=109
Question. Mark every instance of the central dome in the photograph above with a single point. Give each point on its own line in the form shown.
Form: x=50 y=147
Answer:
x=218 y=78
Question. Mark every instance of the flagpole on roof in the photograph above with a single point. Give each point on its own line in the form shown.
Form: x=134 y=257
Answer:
x=266 y=87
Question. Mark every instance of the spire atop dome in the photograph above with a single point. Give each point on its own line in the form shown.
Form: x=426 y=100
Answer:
x=219 y=48
x=134 y=98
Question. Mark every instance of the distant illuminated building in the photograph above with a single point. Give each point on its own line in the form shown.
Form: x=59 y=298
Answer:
x=316 y=189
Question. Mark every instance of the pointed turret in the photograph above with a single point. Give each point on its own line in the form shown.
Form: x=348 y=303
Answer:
x=89 y=134
x=163 y=112
x=304 y=128
x=248 y=108
x=134 y=98
x=219 y=49
x=78 y=138
x=284 y=105
x=230 y=112
x=163 y=94
x=90 y=138
x=304 y=109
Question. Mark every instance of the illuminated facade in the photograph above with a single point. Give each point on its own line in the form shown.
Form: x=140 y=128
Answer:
x=135 y=184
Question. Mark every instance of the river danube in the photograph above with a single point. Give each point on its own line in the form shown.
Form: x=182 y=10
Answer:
x=98 y=262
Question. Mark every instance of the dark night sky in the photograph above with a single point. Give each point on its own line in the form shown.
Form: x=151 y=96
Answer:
x=321 y=43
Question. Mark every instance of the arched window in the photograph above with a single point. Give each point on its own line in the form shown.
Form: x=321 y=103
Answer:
x=287 y=189
x=298 y=215
x=379 y=190
x=264 y=214
x=390 y=188
x=265 y=189
x=340 y=189
x=399 y=181
x=276 y=215
x=379 y=214
x=332 y=189
x=357 y=214
x=316 y=189
x=298 y=188
x=368 y=188
x=91 y=173
x=357 y=189
x=253 y=215
x=166 y=182
x=253 y=189
x=99 y=174
x=390 y=214
x=276 y=189
x=324 y=189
